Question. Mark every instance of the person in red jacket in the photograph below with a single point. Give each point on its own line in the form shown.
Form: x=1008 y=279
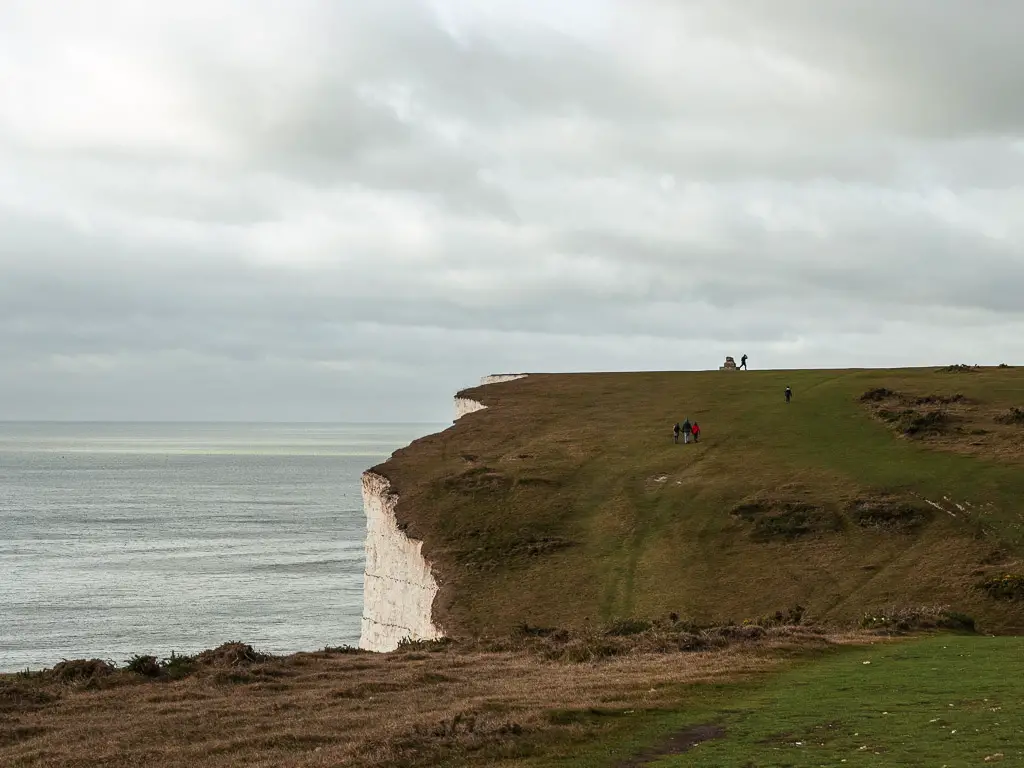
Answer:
x=696 y=432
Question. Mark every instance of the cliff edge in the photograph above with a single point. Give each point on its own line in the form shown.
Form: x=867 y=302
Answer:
x=398 y=583
x=562 y=501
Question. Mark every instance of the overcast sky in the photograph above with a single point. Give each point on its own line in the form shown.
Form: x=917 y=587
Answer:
x=347 y=210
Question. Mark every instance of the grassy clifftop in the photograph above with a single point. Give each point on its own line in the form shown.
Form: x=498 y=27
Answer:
x=565 y=502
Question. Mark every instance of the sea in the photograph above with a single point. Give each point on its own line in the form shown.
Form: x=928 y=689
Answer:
x=124 y=539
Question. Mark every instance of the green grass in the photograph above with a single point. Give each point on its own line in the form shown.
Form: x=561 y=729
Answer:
x=946 y=700
x=644 y=527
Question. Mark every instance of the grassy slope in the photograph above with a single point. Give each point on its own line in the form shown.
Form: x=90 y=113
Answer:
x=545 y=509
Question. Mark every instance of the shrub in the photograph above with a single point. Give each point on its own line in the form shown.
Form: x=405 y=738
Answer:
x=585 y=649
x=528 y=630
x=913 y=423
x=795 y=522
x=81 y=669
x=177 y=666
x=789 y=618
x=333 y=649
x=878 y=394
x=961 y=621
x=231 y=655
x=786 y=519
x=1008 y=586
x=1013 y=416
x=899 y=517
x=894 y=620
x=626 y=627
x=690 y=641
x=147 y=666
x=408 y=644
x=939 y=399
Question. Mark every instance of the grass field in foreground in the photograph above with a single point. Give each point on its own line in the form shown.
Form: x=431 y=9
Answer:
x=781 y=697
x=433 y=705
x=943 y=701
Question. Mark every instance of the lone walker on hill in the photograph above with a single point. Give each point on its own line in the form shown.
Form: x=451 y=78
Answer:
x=743 y=362
x=789 y=394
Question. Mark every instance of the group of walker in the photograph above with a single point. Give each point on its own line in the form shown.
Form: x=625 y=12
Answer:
x=688 y=429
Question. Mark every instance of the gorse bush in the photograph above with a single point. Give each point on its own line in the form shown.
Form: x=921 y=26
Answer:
x=1013 y=416
x=408 y=644
x=147 y=666
x=878 y=394
x=789 y=618
x=899 y=619
x=1007 y=586
x=177 y=665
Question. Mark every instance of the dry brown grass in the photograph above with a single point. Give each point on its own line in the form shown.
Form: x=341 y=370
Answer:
x=415 y=707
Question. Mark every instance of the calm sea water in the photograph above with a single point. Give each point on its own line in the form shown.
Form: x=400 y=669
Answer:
x=117 y=539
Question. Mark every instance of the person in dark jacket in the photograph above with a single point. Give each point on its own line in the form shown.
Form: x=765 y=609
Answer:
x=675 y=433
x=789 y=394
x=743 y=362
x=687 y=431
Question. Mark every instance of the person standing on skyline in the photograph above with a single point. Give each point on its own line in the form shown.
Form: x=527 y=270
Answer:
x=743 y=362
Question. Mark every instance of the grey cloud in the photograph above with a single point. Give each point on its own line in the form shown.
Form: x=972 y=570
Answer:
x=356 y=210
x=949 y=69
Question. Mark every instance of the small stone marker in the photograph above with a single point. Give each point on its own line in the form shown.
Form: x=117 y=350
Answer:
x=730 y=365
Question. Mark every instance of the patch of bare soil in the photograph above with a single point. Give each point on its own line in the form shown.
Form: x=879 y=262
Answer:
x=951 y=422
x=786 y=519
x=890 y=514
x=676 y=744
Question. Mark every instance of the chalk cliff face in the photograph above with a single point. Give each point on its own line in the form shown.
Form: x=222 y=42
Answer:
x=399 y=587
x=499 y=377
x=464 y=405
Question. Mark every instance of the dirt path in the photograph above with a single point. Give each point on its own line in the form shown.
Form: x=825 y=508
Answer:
x=676 y=744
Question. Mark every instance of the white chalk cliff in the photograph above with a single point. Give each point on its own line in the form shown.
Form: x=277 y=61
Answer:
x=497 y=378
x=464 y=405
x=398 y=584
